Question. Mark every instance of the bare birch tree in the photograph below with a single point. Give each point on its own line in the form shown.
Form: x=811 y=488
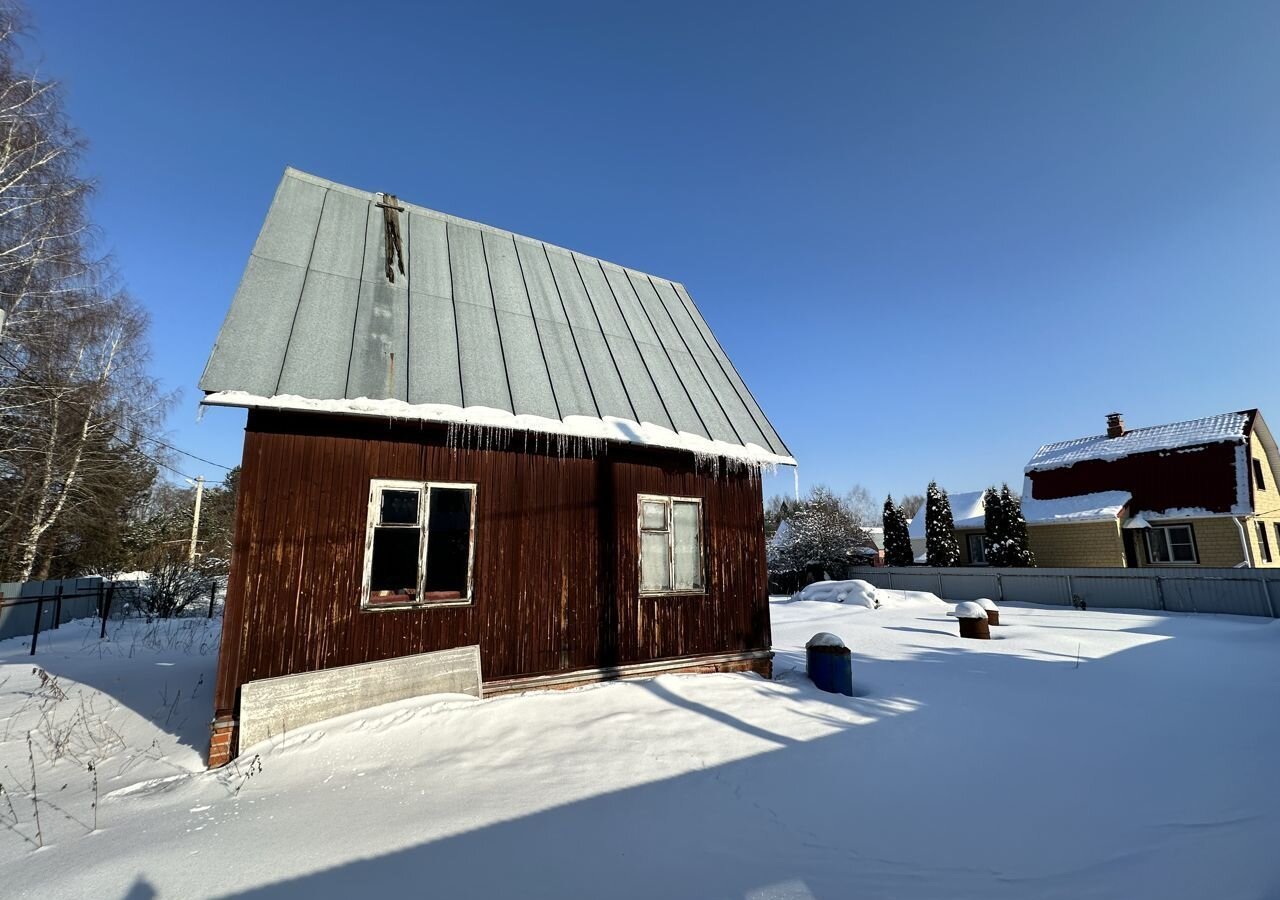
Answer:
x=75 y=398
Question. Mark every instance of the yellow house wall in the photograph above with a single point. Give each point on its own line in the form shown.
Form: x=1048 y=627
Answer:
x=1089 y=544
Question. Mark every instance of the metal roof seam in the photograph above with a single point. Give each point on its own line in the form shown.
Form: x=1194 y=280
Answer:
x=754 y=406
x=680 y=334
x=537 y=330
x=572 y=335
x=356 y=312
x=643 y=362
x=453 y=302
x=667 y=353
x=590 y=300
x=301 y=291
x=497 y=324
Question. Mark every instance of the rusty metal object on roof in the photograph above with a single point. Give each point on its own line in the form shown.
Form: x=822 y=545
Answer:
x=391 y=210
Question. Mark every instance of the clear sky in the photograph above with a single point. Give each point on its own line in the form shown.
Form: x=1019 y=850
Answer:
x=931 y=236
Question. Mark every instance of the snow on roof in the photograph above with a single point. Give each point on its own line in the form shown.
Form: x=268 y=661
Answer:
x=966 y=511
x=1209 y=430
x=1080 y=508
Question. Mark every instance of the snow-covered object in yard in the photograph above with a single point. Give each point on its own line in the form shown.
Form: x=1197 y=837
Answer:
x=1209 y=430
x=986 y=604
x=856 y=592
x=824 y=639
x=968 y=610
x=1081 y=508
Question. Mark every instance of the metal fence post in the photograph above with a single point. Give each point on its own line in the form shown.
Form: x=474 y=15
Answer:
x=213 y=591
x=1160 y=593
x=939 y=583
x=1000 y=587
x=35 y=634
x=890 y=574
x=57 y=607
x=1071 y=592
x=106 y=609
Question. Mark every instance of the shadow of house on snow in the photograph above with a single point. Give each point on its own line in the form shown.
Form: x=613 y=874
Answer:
x=1017 y=780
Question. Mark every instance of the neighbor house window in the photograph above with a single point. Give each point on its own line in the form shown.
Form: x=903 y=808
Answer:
x=978 y=549
x=1171 y=544
x=670 y=545
x=1263 y=544
x=1257 y=475
x=419 y=544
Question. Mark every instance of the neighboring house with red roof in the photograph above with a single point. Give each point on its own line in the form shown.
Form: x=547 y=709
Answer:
x=1200 y=492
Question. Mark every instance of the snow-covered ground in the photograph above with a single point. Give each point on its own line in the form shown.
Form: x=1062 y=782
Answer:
x=1077 y=754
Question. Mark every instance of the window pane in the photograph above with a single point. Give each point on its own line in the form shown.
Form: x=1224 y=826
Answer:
x=655 y=562
x=394 y=569
x=1180 y=546
x=399 y=508
x=977 y=549
x=448 y=543
x=686 y=527
x=653 y=515
x=1158 y=545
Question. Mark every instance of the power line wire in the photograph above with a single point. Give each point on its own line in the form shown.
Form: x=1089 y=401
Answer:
x=138 y=434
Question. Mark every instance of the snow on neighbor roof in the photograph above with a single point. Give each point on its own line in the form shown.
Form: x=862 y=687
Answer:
x=1082 y=508
x=966 y=511
x=484 y=327
x=1211 y=429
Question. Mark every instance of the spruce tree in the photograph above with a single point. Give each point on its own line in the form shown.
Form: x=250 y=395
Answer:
x=996 y=527
x=1016 y=553
x=897 y=539
x=941 y=547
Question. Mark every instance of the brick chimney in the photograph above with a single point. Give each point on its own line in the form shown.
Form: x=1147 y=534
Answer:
x=1115 y=425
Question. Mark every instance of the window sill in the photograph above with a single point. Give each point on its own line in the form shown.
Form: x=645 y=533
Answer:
x=415 y=604
x=702 y=592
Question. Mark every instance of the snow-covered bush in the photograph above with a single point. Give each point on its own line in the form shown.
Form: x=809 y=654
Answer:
x=941 y=546
x=822 y=533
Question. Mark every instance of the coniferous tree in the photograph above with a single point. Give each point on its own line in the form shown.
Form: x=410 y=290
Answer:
x=941 y=546
x=1016 y=552
x=897 y=539
x=996 y=527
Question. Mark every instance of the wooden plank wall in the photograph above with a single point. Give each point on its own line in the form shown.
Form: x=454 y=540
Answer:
x=556 y=569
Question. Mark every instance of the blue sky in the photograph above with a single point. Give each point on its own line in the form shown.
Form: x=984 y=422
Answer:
x=931 y=236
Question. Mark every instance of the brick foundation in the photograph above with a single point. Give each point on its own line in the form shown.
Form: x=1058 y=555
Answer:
x=222 y=742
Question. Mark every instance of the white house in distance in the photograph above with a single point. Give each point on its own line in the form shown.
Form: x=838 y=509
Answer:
x=970 y=523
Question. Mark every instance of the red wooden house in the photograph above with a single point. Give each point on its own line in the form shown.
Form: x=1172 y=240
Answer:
x=460 y=439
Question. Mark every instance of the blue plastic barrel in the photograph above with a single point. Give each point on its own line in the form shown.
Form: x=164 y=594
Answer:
x=828 y=664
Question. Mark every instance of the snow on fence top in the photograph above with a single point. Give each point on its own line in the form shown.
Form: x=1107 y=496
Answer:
x=471 y=318
x=1209 y=430
x=1080 y=508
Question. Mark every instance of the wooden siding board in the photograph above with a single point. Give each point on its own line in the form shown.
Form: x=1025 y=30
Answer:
x=555 y=567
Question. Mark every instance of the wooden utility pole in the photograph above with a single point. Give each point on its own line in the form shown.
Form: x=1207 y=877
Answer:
x=195 y=519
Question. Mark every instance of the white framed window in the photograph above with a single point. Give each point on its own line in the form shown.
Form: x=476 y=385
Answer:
x=1171 y=544
x=419 y=546
x=978 y=549
x=1263 y=544
x=671 y=560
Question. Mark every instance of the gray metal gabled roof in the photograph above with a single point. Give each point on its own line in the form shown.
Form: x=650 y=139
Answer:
x=481 y=318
